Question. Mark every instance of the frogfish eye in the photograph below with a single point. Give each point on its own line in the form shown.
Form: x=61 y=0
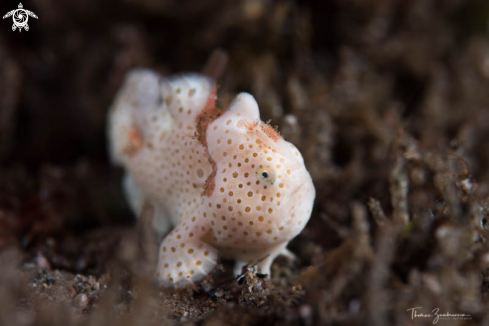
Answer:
x=266 y=174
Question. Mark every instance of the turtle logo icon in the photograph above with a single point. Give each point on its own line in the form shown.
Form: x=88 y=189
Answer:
x=20 y=17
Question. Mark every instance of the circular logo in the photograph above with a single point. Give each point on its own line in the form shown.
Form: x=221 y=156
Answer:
x=20 y=18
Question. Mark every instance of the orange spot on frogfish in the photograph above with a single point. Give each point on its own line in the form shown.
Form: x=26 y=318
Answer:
x=134 y=141
x=272 y=133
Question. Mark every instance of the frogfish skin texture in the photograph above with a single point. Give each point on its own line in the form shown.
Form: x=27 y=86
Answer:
x=227 y=183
